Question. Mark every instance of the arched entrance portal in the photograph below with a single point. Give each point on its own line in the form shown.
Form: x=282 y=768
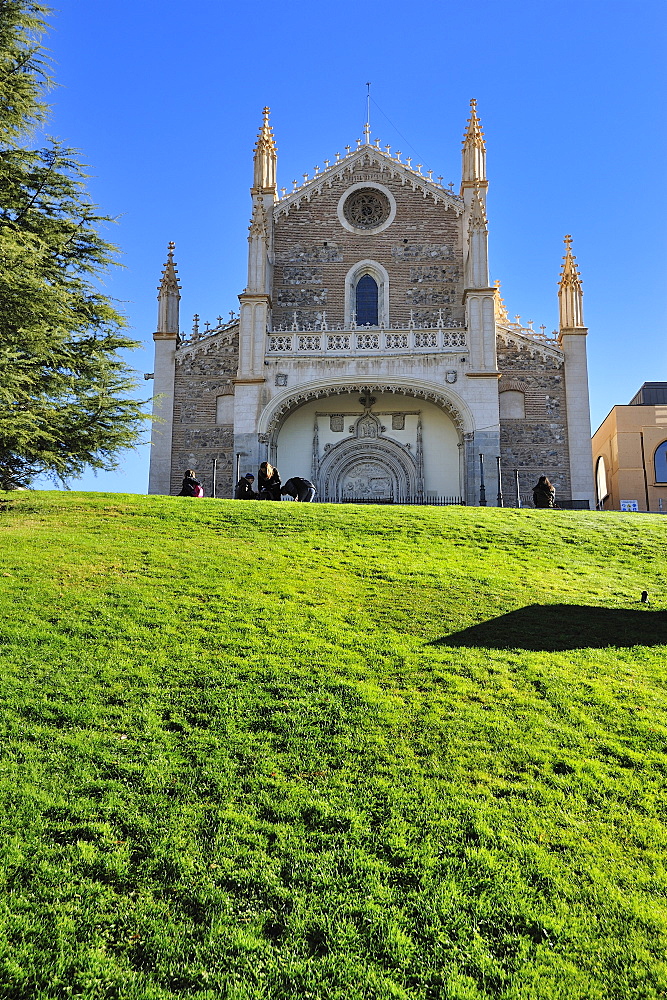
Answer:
x=370 y=465
x=370 y=444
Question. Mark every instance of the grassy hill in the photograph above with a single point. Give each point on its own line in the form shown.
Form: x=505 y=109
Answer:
x=272 y=751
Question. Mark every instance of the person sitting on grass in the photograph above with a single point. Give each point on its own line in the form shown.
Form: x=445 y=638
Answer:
x=244 y=490
x=268 y=482
x=544 y=494
x=191 y=486
x=299 y=489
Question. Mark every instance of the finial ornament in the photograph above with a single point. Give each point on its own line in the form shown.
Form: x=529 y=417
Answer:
x=474 y=149
x=474 y=132
x=265 y=158
x=570 y=295
x=169 y=281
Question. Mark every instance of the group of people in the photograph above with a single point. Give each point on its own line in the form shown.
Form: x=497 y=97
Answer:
x=269 y=486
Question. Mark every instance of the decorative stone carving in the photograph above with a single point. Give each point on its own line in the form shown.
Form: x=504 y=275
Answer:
x=334 y=389
x=337 y=423
x=310 y=343
x=280 y=343
x=396 y=341
x=338 y=343
x=367 y=426
x=366 y=208
x=366 y=467
x=398 y=421
x=281 y=378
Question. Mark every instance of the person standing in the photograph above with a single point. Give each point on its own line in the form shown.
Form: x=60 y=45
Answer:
x=268 y=482
x=300 y=489
x=244 y=490
x=544 y=494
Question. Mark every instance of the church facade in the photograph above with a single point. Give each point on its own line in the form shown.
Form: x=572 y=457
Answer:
x=370 y=353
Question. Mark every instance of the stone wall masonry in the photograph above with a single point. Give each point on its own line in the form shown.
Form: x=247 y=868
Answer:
x=538 y=444
x=422 y=247
x=535 y=450
x=204 y=371
x=302 y=275
x=296 y=298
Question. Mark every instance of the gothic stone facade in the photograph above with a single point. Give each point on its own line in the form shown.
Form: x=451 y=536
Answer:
x=370 y=354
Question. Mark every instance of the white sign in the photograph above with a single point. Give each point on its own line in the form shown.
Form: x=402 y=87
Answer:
x=629 y=505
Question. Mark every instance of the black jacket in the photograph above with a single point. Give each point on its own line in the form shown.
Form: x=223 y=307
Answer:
x=297 y=485
x=544 y=497
x=244 y=490
x=188 y=487
x=269 y=487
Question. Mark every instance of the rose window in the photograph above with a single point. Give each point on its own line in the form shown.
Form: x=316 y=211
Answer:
x=366 y=208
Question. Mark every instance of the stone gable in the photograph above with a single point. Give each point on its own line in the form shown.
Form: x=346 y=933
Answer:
x=421 y=250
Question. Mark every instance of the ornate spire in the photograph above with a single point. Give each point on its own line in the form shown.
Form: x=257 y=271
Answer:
x=570 y=295
x=265 y=159
x=169 y=295
x=474 y=149
x=169 y=282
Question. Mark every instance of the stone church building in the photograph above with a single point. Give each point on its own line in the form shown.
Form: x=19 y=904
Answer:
x=370 y=353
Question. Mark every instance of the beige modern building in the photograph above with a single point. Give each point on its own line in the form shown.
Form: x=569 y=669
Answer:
x=371 y=352
x=630 y=453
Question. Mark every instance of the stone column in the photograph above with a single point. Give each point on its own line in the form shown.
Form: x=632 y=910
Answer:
x=572 y=339
x=580 y=448
x=165 y=339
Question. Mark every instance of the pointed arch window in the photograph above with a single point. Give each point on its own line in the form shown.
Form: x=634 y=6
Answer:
x=367 y=294
x=366 y=301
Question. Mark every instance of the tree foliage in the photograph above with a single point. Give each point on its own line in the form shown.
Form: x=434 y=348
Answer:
x=64 y=386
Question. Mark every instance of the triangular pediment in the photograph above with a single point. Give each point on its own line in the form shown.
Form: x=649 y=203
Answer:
x=367 y=156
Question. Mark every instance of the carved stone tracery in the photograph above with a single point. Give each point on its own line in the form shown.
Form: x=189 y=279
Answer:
x=320 y=392
x=367 y=208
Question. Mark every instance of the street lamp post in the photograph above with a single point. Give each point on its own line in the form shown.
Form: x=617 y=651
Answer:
x=499 y=498
x=482 y=487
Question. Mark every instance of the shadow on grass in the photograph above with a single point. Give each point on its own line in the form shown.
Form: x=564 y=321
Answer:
x=552 y=627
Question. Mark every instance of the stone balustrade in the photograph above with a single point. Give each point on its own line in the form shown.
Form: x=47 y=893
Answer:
x=366 y=340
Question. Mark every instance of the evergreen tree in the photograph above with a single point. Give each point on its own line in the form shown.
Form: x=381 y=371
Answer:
x=64 y=388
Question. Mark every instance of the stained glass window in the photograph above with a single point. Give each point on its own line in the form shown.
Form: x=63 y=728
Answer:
x=367 y=301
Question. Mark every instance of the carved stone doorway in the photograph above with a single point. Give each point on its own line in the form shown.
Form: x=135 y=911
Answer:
x=368 y=479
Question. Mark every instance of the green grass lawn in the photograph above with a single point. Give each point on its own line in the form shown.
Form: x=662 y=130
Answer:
x=259 y=751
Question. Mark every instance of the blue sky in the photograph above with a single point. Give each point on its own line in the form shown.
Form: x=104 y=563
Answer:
x=164 y=101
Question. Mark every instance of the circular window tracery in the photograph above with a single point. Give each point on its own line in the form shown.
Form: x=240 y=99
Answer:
x=366 y=208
